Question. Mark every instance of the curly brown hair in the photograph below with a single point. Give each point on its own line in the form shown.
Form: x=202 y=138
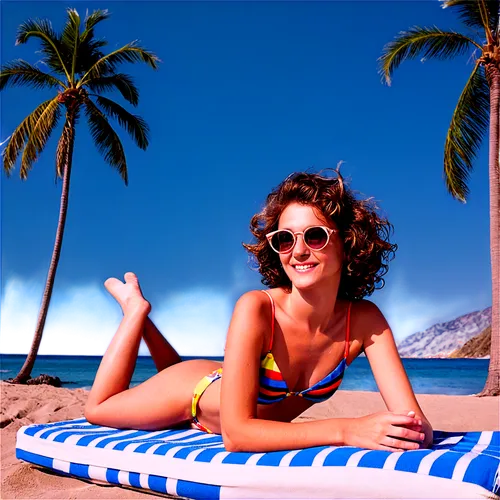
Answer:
x=365 y=233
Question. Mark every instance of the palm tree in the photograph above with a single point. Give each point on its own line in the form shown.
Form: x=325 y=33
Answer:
x=469 y=123
x=80 y=72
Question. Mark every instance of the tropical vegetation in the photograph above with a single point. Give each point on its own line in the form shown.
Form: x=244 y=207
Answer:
x=478 y=106
x=79 y=73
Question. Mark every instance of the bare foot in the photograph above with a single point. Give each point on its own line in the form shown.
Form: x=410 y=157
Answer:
x=127 y=294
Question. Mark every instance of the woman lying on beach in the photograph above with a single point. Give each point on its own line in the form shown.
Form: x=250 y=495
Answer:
x=320 y=251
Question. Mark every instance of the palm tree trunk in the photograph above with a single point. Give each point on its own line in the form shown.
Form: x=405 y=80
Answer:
x=492 y=386
x=69 y=131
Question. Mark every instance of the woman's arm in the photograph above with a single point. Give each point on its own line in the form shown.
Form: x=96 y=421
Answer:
x=249 y=331
x=248 y=335
x=388 y=370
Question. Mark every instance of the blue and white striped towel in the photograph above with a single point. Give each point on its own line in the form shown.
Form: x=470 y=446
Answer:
x=190 y=463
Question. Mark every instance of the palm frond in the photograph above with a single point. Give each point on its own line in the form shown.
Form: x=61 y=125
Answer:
x=136 y=127
x=119 y=81
x=107 y=141
x=128 y=53
x=429 y=42
x=23 y=73
x=89 y=52
x=51 y=43
x=467 y=130
x=90 y=22
x=39 y=135
x=20 y=136
x=70 y=38
x=483 y=14
x=94 y=45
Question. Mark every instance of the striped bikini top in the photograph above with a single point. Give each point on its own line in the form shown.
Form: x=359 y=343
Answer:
x=272 y=386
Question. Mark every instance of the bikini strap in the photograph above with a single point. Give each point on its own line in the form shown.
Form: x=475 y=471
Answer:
x=272 y=322
x=348 y=328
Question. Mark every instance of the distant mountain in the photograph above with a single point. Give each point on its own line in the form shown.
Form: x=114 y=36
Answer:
x=440 y=340
x=477 y=347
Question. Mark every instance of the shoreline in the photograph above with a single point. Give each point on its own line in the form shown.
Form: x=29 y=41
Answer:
x=24 y=405
x=68 y=385
x=427 y=376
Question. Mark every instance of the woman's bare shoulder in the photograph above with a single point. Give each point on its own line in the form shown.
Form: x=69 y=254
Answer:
x=250 y=323
x=253 y=299
x=367 y=318
x=254 y=305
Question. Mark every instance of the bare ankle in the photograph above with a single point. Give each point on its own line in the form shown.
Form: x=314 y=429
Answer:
x=137 y=306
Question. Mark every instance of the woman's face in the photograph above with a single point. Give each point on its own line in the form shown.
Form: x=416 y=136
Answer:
x=306 y=267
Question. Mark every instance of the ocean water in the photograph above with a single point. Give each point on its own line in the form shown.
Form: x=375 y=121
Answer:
x=427 y=376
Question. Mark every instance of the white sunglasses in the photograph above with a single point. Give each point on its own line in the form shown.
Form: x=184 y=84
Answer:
x=315 y=238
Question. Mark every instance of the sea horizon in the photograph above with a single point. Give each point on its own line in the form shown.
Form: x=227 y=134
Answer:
x=188 y=356
x=447 y=376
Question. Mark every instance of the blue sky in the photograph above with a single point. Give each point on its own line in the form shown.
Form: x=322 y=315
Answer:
x=247 y=92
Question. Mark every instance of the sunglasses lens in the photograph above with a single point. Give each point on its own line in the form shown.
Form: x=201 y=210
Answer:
x=316 y=237
x=282 y=241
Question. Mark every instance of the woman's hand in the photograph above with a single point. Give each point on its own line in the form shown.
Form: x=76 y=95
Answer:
x=385 y=431
x=424 y=427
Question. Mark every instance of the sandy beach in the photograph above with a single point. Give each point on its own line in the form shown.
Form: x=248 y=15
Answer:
x=24 y=405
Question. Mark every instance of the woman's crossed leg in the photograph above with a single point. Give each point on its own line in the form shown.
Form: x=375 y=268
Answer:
x=162 y=401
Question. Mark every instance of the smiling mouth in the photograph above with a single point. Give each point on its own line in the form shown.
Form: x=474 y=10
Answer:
x=304 y=268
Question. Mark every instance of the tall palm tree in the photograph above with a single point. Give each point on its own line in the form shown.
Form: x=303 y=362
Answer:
x=79 y=72
x=480 y=98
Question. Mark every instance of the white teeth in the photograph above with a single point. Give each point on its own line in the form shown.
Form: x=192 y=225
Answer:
x=303 y=268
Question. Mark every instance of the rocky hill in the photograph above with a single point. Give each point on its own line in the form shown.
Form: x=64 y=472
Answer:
x=442 y=339
x=476 y=347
